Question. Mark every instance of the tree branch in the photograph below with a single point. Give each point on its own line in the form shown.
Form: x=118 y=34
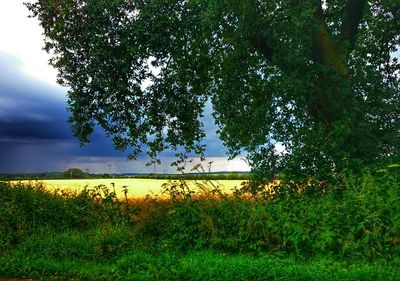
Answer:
x=328 y=106
x=353 y=13
x=325 y=50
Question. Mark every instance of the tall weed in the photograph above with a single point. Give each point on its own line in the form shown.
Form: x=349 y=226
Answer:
x=353 y=217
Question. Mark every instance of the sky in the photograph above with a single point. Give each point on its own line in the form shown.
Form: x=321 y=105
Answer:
x=34 y=133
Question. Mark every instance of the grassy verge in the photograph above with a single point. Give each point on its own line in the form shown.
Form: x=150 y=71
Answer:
x=199 y=265
x=347 y=231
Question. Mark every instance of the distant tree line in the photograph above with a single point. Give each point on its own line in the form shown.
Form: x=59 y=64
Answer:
x=31 y=176
x=76 y=173
x=195 y=176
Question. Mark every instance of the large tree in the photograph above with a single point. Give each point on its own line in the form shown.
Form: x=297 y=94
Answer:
x=319 y=77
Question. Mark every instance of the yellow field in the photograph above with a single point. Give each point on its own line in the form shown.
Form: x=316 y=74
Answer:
x=136 y=187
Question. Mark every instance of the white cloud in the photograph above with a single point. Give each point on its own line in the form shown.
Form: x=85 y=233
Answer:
x=21 y=37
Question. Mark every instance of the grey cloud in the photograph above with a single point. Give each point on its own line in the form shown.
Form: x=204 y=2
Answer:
x=34 y=133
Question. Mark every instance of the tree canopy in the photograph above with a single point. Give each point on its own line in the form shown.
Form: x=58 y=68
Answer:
x=318 y=77
x=74 y=173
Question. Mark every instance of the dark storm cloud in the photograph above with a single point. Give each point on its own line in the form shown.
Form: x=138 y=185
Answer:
x=100 y=145
x=35 y=135
x=33 y=130
x=214 y=144
x=33 y=111
x=29 y=109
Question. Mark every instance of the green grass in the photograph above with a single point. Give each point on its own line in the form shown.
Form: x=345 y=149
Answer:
x=347 y=231
x=200 y=265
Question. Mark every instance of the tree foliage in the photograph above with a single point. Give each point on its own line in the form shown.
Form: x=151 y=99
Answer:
x=73 y=173
x=318 y=77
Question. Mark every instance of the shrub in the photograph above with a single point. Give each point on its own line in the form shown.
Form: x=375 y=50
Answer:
x=24 y=208
x=351 y=217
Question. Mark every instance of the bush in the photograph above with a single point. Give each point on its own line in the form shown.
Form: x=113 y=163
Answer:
x=351 y=217
x=24 y=208
x=355 y=217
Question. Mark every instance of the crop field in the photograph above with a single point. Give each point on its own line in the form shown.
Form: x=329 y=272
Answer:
x=136 y=187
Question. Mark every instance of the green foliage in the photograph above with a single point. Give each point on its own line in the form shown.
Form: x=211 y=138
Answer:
x=196 y=176
x=320 y=80
x=50 y=244
x=345 y=230
x=24 y=208
x=354 y=217
x=201 y=265
x=211 y=266
x=185 y=176
x=74 y=173
x=31 y=176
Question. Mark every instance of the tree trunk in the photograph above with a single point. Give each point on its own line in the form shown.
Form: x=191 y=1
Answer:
x=331 y=100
